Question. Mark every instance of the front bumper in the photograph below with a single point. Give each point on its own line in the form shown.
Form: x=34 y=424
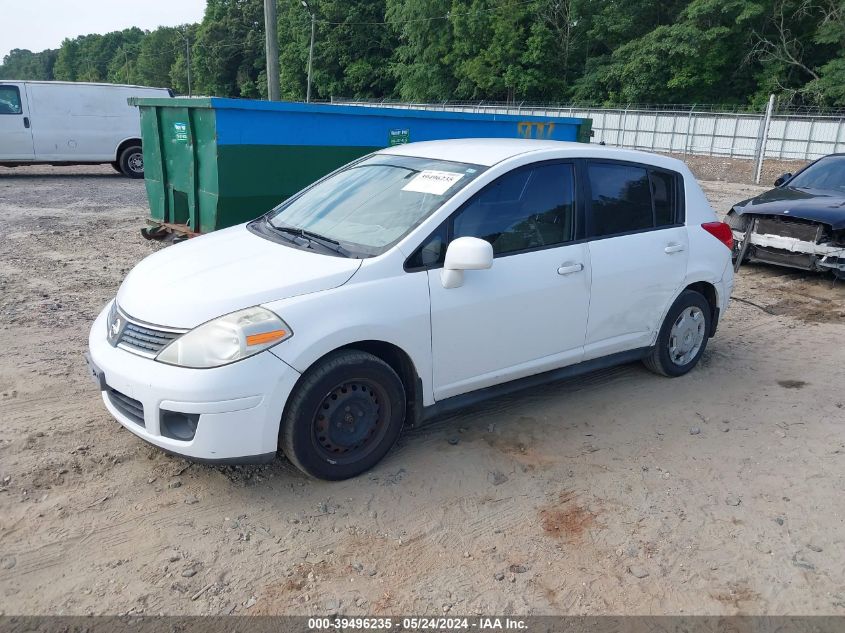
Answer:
x=791 y=244
x=236 y=408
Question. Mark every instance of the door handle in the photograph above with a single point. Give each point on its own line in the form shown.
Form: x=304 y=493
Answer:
x=568 y=269
x=26 y=121
x=673 y=248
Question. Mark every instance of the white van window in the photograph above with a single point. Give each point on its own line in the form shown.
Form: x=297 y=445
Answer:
x=10 y=100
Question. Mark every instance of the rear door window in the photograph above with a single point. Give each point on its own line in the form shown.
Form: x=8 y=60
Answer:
x=621 y=200
x=628 y=198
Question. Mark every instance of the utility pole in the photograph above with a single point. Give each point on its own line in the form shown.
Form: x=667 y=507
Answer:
x=272 y=49
x=187 y=56
x=310 y=50
x=188 y=61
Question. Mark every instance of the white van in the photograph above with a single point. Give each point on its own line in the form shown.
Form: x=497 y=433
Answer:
x=68 y=123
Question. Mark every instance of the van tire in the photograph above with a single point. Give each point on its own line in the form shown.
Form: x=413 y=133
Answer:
x=344 y=416
x=116 y=166
x=690 y=304
x=131 y=162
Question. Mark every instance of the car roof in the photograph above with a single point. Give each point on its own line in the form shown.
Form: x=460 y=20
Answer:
x=77 y=83
x=489 y=151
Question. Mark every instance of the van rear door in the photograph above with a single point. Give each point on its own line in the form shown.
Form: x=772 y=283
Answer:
x=15 y=125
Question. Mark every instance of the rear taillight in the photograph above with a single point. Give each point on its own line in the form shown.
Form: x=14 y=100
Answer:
x=721 y=232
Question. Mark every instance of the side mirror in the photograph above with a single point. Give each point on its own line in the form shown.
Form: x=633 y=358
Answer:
x=465 y=253
x=782 y=179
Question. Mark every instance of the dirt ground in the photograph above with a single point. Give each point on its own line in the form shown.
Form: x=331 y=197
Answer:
x=738 y=170
x=617 y=493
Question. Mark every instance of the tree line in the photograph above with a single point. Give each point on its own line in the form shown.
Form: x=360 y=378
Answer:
x=609 y=52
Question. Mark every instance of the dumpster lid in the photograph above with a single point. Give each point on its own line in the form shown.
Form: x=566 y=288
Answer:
x=221 y=103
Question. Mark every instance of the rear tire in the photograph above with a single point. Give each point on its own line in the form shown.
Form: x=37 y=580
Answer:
x=683 y=336
x=344 y=416
x=131 y=162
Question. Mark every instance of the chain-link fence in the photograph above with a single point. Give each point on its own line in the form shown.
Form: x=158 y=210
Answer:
x=705 y=129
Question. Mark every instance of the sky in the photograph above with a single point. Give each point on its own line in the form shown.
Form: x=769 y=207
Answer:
x=40 y=24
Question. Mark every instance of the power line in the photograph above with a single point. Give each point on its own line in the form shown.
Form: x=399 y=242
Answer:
x=448 y=15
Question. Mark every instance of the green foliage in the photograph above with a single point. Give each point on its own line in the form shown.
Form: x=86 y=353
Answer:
x=419 y=66
x=599 y=51
x=93 y=57
x=156 y=55
x=228 y=54
x=24 y=64
x=351 y=52
x=694 y=58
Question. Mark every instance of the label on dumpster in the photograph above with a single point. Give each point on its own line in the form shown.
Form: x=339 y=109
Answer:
x=398 y=136
x=180 y=132
x=432 y=181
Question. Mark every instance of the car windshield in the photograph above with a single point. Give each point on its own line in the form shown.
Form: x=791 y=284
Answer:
x=369 y=206
x=826 y=173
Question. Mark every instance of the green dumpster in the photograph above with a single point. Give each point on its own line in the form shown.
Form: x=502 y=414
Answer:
x=210 y=163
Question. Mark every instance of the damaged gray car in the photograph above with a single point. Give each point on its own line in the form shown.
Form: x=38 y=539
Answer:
x=800 y=223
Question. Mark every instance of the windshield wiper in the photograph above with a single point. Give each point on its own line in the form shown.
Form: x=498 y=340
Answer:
x=322 y=240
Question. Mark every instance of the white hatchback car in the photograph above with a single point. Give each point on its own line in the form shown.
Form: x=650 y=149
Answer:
x=412 y=281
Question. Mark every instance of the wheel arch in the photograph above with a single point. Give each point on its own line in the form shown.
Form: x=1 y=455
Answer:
x=398 y=360
x=129 y=142
x=704 y=287
x=711 y=293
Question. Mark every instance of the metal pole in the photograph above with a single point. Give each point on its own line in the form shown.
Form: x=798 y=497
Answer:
x=310 y=59
x=733 y=136
x=689 y=123
x=715 y=129
x=764 y=137
x=622 y=128
x=810 y=139
x=271 y=49
x=188 y=61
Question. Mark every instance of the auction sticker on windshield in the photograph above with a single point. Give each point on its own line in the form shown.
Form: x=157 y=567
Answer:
x=432 y=181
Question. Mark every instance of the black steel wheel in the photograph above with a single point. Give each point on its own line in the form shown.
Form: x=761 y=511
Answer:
x=344 y=416
x=132 y=162
x=351 y=420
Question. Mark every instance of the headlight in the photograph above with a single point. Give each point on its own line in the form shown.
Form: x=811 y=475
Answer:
x=226 y=339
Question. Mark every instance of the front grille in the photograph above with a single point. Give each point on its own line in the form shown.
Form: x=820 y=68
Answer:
x=144 y=339
x=781 y=257
x=802 y=230
x=129 y=407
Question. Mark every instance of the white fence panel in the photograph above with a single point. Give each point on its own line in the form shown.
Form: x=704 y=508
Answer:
x=691 y=131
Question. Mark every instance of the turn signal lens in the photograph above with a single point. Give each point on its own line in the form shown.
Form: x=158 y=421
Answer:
x=266 y=337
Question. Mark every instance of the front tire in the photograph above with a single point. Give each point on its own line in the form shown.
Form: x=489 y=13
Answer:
x=683 y=336
x=131 y=162
x=344 y=416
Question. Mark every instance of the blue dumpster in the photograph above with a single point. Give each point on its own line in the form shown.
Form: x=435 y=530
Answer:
x=210 y=163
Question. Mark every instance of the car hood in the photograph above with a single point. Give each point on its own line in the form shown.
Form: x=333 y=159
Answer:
x=192 y=282
x=827 y=207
